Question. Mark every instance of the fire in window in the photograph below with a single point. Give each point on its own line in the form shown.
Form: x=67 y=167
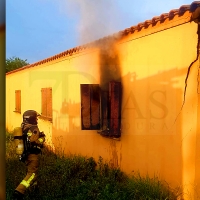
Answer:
x=101 y=110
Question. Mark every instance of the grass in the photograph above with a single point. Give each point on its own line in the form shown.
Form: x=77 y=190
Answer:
x=80 y=178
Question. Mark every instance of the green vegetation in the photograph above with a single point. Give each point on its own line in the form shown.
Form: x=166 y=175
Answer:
x=15 y=63
x=79 y=178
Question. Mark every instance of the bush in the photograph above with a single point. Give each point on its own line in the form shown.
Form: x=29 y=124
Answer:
x=80 y=178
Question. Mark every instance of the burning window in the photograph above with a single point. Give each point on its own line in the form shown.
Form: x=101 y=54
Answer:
x=46 y=94
x=18 y=101
x=101 y=110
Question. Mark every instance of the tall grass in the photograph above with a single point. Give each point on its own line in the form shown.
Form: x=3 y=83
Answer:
x=80 y=178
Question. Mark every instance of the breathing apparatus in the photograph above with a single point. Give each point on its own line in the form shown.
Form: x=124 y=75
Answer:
x=22 y=143
x=18 y=139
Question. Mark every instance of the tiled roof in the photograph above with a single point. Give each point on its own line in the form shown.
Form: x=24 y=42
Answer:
x=170 y=15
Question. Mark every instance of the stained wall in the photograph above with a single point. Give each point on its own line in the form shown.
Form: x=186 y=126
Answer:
x=159 y=71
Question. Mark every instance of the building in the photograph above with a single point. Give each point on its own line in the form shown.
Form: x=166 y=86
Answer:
x=132 y=98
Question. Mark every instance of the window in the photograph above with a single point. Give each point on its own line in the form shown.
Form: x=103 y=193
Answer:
x=18 y=101
x=46 y=94
x=115 y=108
x=90 y=102
x=101 y=110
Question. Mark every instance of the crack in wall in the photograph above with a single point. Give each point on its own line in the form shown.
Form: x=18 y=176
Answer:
x=188 y=73
x=189 y=68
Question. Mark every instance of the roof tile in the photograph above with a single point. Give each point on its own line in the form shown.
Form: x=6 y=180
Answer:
x=172 y=13
x=164 y=16
x=194 y=5
x=183 y=9
x=155 y=20
x=191 y=8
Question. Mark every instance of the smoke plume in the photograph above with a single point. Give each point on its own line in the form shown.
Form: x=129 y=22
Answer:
x=97 y=18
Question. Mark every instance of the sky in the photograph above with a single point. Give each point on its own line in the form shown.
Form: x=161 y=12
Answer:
x=39 y=29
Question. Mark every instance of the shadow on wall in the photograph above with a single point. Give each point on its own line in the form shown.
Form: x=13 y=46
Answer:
x=151 y=126
x=151 y=139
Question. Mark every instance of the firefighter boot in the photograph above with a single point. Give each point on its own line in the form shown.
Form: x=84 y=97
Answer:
x=17 y=195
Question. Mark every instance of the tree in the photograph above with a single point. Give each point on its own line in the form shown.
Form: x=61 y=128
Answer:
x=15 y=63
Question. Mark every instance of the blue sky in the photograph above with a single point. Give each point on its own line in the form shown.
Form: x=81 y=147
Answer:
x=38 y=29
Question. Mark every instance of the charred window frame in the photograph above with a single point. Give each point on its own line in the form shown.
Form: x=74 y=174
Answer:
x=101 y=110
x=90 y=107
x=18 y=101
x=46 y=99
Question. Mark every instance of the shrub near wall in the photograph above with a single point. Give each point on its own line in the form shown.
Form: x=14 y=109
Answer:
x=79 y=178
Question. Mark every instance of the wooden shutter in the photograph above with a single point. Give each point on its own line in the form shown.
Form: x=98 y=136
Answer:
x=105 y=112
x=49 y=102
x=95 y=107
x=90 y=102
x=18 y=101
x=46 y=95
x=115 y=108
x=85 y=107
x=43 y=100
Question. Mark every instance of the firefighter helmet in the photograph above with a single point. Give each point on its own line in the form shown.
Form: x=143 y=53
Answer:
x=30 y=116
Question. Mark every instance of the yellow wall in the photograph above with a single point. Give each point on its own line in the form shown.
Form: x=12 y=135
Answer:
x=160 y=133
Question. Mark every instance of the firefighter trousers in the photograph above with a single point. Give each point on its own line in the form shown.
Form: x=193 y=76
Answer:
x=32 y=164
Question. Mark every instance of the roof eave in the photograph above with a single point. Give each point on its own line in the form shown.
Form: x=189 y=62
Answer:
x=194 y=8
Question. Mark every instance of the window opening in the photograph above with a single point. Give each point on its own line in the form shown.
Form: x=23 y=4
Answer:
x=46 y=110
x=18 y=101
x=101 y=110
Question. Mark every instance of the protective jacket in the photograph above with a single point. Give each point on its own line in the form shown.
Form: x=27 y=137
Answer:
x=35 y=140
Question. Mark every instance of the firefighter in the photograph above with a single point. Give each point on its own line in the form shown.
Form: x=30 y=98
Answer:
x=33 y=142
